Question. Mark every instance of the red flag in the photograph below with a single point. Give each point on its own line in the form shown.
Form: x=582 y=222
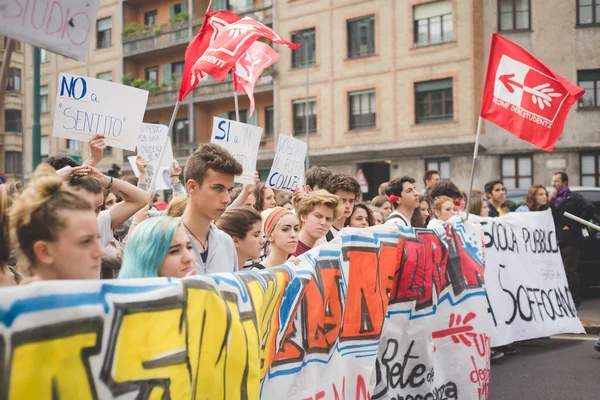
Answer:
x=524 y=96
x=249 y=67
x=232 y=43
x=212 y=25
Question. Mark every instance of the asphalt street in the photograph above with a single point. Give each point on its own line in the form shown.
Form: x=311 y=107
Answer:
x=546 y=369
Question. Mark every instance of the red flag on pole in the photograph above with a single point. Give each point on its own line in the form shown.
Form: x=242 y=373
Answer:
x=212 y=26
x=524 y=96
x=233 y=41
x=249 y=67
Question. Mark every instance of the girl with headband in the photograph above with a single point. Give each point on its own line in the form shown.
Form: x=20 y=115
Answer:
x=281 y=228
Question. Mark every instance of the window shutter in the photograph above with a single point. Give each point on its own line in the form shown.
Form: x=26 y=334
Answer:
x=223 y=115
x=166 y=73
x=432 y=9
x=183 y=7
x=171 y=11
x=220 y=5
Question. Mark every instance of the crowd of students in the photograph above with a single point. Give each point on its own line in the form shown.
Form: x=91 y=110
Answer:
x=73 y=222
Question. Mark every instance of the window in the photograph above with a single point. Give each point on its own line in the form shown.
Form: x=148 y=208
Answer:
x=44 y=99
x=588 y=12
x=433 y=101
x=73 y=145
x=269 y=122
x=12 y=120
x=590 y=81
x=181 y=132
x=103 y=33
x=44 y=147
x=514 y=15
x=44 y=58
x=243 y=116
x=432 y=23
x=442 y=165
x=13 y=82
x=151 y=17
x=299 y=107
x=361 y=37
x=590 y=169
x=517 y=171
x=105 y=76
x=308 y=49
x=177 y=9
x=177 y=70
x=13 y=162
x=152 y=74
x=362 y=109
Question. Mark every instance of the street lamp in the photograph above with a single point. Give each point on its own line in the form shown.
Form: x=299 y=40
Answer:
x=305 y=38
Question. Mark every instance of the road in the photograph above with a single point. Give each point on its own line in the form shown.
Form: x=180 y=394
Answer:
x=548 y=369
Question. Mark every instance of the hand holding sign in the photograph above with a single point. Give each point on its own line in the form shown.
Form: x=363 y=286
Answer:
x=242 y=141
x=97 y=147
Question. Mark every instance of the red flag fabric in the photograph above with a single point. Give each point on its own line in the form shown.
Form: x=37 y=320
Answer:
x=234 y=40
x=250 y=66
x=212 y=26
x=524 y=96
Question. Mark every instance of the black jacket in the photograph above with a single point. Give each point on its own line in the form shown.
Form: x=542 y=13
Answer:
x=568 y=232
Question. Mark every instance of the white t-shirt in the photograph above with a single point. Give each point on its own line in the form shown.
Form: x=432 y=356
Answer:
x=398 y=219
x=104 y=223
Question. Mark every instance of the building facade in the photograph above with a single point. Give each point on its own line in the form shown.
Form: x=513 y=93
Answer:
x=394 y=87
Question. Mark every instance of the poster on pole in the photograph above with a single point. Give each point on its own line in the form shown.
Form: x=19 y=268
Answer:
x=242 y=141
x=87 y=106
x=62 y=26
x=287 y=171
x=526 y=283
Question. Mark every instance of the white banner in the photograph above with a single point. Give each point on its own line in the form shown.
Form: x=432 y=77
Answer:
x=242 y=141
x=525 y=278
x=287 y=171
x=87 y=106
x=63 y=26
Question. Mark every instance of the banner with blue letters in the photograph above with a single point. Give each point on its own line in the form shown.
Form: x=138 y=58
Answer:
x=287 y=171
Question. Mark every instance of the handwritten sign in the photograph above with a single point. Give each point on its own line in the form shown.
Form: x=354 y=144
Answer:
x=242 y=141
x=163 y=181
x=287 y=171
x=62 y=26
x=149 y=145
x=87 y=106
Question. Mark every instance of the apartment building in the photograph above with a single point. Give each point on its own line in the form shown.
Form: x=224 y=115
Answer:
x=394 y=87
x=566 y=36
x=13 y=108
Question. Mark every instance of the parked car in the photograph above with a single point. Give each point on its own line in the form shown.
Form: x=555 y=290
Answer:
x=589 y=263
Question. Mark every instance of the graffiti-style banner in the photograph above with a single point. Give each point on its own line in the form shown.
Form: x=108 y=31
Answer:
x=525 y=278
x=379 y=313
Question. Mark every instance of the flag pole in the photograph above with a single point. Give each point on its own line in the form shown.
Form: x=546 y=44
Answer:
x=164 y=148
x=235 y=99
x=475 y=153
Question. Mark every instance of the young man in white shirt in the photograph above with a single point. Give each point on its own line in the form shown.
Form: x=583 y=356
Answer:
x=347 y=190
x=404 y=199
x=209 y=178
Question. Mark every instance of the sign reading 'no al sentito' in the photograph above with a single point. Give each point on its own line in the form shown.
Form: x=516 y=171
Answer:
x=86 y=107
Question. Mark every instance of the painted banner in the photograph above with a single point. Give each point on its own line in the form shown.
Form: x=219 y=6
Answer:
x=376 y=313
x=525 y=279
x=87 y=106
x=242 y=141
x=287 y=171
x=62 y=26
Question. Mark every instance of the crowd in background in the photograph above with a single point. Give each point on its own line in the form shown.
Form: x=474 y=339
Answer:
x=73 y=222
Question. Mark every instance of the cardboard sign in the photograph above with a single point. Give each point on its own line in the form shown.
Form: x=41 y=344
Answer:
x=149 y=145
x=163 y=181
x=287 y=171
x=242 y=141
x=362 y=181
x=87 y=106
x=62 y=26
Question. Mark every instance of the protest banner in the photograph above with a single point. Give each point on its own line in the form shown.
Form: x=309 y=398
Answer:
x=163 y=181
x=62 y=26
x=526 y=283
x=287 y=171
x=87 y=106
x=149 y=145
x=306 y=332
x=242 y=141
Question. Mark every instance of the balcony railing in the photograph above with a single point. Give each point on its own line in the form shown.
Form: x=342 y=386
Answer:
x=262 y=12
x=163 y=96
x=213 y=88
x=169 y=35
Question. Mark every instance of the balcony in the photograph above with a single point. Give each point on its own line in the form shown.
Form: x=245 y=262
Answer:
x=166 y=96
x=262 y=11
x=157 y=38
x=211 y=89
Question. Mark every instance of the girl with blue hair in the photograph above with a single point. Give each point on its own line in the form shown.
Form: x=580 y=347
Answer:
x=159 y=247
